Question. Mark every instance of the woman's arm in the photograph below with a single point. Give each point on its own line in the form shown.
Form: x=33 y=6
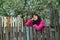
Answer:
x=29 y=22
x=40 y=26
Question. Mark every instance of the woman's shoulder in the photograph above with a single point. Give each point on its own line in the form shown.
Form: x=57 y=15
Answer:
x=42 y=20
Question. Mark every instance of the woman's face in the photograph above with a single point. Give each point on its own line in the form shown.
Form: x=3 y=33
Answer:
x=35 y=17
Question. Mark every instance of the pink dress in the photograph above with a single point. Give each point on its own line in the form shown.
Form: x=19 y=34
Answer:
x=39 y=27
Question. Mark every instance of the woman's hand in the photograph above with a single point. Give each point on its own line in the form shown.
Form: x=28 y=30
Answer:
x=32 y=19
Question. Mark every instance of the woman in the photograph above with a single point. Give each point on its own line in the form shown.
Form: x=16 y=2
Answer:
x=37 y=23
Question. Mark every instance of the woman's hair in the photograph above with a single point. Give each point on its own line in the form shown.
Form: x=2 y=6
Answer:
x=38 y=20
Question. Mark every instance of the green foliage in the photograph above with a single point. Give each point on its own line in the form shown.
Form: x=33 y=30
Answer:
x=16 y=7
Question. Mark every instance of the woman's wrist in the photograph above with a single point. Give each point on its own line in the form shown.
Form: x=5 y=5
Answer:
x=32 y=19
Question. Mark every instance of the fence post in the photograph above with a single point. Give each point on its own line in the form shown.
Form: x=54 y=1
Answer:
x=8 y=25
x=31 y=33
x=5 y=20
x=48 y=32
x=0 y=28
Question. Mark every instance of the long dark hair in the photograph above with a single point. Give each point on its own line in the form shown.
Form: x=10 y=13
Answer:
x=38 y=20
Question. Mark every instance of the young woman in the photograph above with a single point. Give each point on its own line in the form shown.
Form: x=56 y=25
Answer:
x=37 y=23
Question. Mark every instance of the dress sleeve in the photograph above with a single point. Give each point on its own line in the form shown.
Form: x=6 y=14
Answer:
x=29 y=23
x=40 y=26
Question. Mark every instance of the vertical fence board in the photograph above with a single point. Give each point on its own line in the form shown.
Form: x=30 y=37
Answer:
x=27 y=33
x=0 y=28
x=34 y=34
x=31 y=33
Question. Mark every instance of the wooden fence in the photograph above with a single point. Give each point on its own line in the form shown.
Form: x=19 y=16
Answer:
x=11 y=28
